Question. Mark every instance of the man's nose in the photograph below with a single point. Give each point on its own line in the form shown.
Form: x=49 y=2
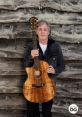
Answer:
x=42 y=31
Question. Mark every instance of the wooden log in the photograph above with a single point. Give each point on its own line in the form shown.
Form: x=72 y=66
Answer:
x=7 y=5
x=12 y=49
x=13 y=46
x=51 y=17
x=11 y=83
x=15 y=30
x=70 y=52
x=67 y=5
x=19 y=114
x=71 y=88
x=64 y=33
x=16 y=103
x=7 y=113
x=16 y=64
x=66 y=23
x=67 y=33
x=9 y=54
x=12 y=101
x=71 y=74
x=71 y=85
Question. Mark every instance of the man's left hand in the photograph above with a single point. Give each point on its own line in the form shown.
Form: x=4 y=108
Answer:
x=51 y=70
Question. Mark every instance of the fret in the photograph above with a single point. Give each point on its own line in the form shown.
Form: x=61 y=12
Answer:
x=33 y=22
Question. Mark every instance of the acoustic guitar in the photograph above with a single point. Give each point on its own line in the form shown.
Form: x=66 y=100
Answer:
x=38 y=87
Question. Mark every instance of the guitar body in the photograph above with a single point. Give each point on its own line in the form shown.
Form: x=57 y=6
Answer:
x=38 y=93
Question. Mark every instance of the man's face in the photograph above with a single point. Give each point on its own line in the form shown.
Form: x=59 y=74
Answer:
x=43 y=32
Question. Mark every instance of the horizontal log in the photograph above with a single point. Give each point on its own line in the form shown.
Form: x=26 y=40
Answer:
x=53 y=17
x=67 y=57
x=65 y=102
x=12 y=49
x=71 y=6
x=7 y=5
x=17 y=103
x=14 y=66
x=65 y=19
x=12 y=35
x=15 y=113
x=67 y=5
x=71 y=74
x=61 y=105
x=11 y=84
x=71 y=86
x=12 y=101
x=6 y=64
x=9 y=113
x=72 y=51
x=65 y=33
x=23 y=114
x=14 y=5
x=73 y=65
x=15 y=30
x=10 y=54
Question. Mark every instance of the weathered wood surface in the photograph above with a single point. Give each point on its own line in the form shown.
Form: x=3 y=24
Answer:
x=67 y=5
x=12 y=49
x=63 y=33
x=71 y=87
x=16 y=102
x=65 y=19
x=55 y=17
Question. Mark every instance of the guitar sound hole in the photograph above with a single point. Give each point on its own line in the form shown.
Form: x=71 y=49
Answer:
x=37 y=74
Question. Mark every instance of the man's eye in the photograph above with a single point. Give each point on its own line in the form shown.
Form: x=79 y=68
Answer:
x=45 y=29
x=40 y=29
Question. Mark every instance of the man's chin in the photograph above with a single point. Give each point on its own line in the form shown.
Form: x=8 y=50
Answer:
x=43 y=38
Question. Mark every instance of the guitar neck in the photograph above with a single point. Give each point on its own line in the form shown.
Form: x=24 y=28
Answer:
x=36 y=63
x=36 y=59
x=34 y=40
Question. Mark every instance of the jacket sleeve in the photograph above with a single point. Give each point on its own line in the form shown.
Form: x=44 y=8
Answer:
x=28 y=61
x=60 y=61
x=57 y=61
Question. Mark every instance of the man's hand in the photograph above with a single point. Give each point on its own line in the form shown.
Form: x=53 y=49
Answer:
x=51 y=70
x=34 y=53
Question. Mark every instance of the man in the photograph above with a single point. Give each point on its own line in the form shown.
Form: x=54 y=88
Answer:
x=47 y=50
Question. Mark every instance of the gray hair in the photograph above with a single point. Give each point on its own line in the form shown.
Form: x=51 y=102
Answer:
x=40 y=22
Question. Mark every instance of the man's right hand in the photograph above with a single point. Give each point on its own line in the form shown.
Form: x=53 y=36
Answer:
x=34 y=53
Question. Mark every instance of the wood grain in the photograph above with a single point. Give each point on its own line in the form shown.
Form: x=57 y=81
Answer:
x=65 y=18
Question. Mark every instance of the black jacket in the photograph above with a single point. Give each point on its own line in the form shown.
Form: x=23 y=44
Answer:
x=53 y=56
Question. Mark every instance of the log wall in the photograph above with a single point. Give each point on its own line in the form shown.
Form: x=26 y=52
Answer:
x=65 y=18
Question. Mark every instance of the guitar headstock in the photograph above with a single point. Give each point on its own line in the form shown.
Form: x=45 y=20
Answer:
x=33 y=23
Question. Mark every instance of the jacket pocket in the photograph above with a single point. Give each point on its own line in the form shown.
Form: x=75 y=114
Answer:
x=53 y=61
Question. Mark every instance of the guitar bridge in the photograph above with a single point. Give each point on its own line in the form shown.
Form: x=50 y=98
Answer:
x=38 y=85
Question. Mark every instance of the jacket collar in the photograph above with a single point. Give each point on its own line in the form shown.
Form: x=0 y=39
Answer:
x=50 y=42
